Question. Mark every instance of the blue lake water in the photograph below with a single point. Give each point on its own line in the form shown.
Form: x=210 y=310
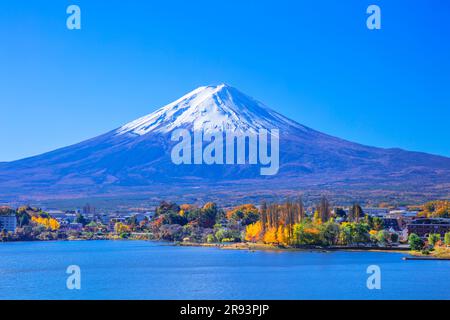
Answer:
x=152 y=270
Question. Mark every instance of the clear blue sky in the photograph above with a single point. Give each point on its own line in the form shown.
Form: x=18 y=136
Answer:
x=314 y=61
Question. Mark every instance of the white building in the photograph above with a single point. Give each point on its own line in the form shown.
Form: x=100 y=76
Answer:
x=376 y=212
x=8 y=222
x=402 y=213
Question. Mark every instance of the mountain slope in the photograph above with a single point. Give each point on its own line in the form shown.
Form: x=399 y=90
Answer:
x=216 y=107
x=135 y=158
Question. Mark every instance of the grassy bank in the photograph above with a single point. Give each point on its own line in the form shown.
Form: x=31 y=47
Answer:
x=442 y=253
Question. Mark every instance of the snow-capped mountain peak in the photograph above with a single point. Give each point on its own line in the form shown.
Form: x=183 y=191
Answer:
x=217 y=108
x=127 y=163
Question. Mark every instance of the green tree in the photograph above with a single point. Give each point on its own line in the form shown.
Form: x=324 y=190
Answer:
x=194 y=214
x=434 y=238
x=361 y=233
x=329 y=233
x=174 y=218
x=346 y=233
x=369 y=220
x=383 y=237
x=306 y=234
x=447 y=239
x=210 y=238
x=167 y=207
x=378 y=223
x=81 y=219
x=250 y=218
x=232 y=235
x=415 y=242
x=208 y=215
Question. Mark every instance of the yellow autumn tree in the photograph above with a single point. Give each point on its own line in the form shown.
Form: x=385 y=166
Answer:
x=283 y=235
x=119 y=228
x=49 y=223
x=316 y=218
x=54 y=225
x=253 y=232
x=436 y=209
x=270 y=237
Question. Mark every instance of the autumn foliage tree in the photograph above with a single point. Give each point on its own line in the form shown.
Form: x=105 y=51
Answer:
x=120 y=228
x=436 y=209
x=48 y=222
x=270 y=236
x=277 y=222
x=246 y=213
x=254 y=232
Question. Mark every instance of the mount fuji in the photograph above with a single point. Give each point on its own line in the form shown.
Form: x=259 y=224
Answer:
x=134 y=160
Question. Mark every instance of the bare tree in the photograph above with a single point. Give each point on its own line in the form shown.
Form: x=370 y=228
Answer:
x=355 y=212
x=324 y=209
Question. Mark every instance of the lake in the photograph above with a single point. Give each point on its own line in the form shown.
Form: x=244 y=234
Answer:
x=154 y=270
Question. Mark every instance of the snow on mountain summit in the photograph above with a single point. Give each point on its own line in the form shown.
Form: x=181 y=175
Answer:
x=135 y=161
x=217 y=108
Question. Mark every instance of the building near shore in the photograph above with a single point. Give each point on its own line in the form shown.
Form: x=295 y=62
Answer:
x=71 y=227
x=424 y=227
x=402 y=213
x=8 y=222
x=393 y=224
x=376 y=212
x=115 y=219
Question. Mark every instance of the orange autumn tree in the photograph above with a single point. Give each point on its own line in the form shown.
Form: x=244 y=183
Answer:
x=436 y=209
x=313 y=231
x=187 y=207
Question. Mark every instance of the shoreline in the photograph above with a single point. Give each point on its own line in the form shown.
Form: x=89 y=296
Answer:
x=253 y=247
x=438 y=253
x=424 y=258
x=241 y=246
x=266 y=247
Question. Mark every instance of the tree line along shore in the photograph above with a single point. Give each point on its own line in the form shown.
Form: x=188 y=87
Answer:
x=285 y=225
